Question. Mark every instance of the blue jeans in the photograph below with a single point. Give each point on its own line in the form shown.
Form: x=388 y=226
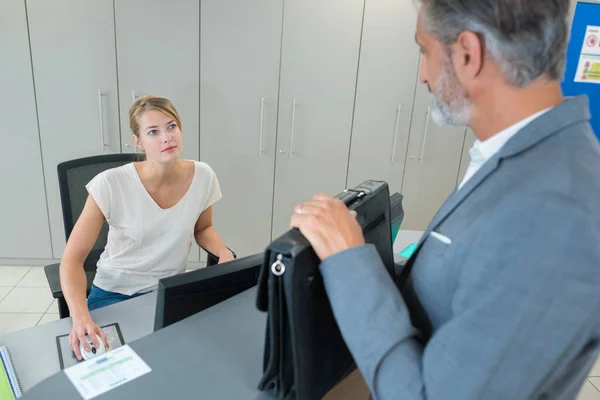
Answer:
x=99 y=298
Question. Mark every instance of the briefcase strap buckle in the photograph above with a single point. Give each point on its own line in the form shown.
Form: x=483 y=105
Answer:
x=278 y=267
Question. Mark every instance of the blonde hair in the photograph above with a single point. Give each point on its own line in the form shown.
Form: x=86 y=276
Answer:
x=148 y=103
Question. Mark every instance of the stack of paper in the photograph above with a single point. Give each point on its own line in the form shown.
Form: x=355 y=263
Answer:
x=10 y=388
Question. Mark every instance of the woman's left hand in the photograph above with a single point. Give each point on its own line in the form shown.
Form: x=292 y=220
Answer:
x=225 y=255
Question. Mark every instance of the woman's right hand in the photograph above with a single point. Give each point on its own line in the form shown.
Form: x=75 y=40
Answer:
x=83 y=326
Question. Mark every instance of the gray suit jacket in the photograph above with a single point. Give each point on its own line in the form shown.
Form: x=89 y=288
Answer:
x=511 y=308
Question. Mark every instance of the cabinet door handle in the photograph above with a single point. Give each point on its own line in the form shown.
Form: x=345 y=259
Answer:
x=293 y=126
x=396 y=133
x=260 y=138
x=425 y=135
x=100 y=94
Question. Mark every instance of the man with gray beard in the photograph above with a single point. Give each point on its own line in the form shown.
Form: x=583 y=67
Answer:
x=501 y=300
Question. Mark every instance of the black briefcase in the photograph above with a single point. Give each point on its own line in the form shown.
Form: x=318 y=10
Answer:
x=305 y=355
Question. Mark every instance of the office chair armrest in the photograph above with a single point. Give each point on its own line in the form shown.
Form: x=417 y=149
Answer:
x=53 y=276
x=213 y=259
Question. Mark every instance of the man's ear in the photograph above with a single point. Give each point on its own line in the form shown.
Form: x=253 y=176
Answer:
x=468 y=56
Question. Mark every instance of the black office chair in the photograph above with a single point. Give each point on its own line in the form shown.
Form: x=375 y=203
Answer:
x=72 y=177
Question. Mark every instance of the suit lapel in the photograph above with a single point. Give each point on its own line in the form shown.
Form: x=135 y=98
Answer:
x=569 y=112
x=458 y=196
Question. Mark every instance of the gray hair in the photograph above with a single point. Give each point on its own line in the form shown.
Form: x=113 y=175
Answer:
x=527 y=37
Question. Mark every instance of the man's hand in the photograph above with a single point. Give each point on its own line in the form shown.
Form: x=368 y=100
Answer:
x=328 y=225
x=225 y=255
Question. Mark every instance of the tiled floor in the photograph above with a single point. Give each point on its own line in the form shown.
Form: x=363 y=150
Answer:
x=25 y=301
x=25 y=298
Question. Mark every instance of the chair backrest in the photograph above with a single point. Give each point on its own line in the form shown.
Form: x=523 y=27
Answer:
x=72 y=177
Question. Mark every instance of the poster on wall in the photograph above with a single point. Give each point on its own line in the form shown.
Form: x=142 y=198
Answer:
x=588 y=69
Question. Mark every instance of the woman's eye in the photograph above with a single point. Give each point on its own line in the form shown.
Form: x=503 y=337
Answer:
x=172 y=126
x=152 y=132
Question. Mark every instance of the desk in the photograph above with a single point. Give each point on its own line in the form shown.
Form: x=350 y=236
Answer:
x=34 y=353
x=403 y=239
x=218 y=351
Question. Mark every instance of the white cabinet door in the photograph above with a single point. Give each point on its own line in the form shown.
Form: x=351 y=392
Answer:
x=432 y=166
x=74 y=65
x=162 y=62
x=158 y=52
x=24 y=231
x=387 y=76
x=321 y=40
x=240 y=54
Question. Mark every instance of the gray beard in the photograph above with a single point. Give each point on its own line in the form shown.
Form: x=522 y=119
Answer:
x=444 y=115
x=455 y=112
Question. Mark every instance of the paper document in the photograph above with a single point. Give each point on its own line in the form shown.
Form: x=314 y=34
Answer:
x=106 y=372
x=588 y=69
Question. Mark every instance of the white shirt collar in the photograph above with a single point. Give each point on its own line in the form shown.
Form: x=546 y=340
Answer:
x=488 y=148
x=483 y=151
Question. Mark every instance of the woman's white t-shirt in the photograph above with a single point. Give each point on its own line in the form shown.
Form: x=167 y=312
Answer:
x=146 y=242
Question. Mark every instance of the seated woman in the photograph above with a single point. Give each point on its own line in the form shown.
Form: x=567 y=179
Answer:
x=155 y=209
